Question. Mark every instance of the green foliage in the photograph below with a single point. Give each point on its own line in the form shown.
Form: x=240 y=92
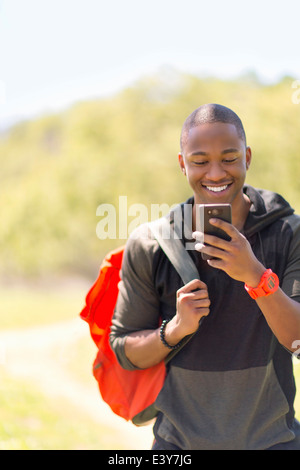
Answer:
x=58 y=169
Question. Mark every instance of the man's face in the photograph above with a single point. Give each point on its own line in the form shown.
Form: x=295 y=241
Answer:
x=215 y=161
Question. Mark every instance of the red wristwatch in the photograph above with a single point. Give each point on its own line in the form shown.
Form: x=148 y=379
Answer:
x=269 y=284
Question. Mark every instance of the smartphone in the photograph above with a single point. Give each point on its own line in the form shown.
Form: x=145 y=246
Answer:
x=217 y=211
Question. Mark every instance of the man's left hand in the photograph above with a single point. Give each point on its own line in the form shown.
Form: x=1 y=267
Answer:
x=235 y=257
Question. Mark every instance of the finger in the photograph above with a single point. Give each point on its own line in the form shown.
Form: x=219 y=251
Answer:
x=195 y=284
x=216 y=263
x=196 y=295
x=202 y=238
x=199 y=236
x=201 y=303
x=225 y=226
x=209 y=248
x=211 y=251
x=199 y=247
x=195 y=303
x=203 y=311
x=218 y=242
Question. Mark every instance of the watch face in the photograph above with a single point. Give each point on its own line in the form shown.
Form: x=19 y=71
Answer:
x=271 y=282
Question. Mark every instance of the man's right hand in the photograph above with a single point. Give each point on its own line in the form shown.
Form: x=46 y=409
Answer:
x=144 y=348
x=192 y=304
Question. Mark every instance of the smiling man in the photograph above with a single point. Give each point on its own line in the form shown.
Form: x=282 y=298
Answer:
x=232 y=385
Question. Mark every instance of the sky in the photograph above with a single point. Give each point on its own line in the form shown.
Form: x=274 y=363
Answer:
x=56 y=52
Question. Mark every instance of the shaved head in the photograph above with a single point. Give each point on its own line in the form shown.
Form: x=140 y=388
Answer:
x=209 y=114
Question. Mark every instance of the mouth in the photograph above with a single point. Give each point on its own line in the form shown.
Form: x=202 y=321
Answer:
x=216 y=189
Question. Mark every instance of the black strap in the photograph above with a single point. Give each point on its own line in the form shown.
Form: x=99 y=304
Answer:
x=169 y=239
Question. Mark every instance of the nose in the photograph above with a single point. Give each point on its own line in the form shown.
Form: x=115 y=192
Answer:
x=215 y=172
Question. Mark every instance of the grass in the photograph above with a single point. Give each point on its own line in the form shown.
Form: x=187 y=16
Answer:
x=31 y=421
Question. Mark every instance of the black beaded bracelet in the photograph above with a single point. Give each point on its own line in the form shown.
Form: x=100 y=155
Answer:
x=162 y=336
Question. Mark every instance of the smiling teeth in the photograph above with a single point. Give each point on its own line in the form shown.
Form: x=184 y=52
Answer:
x=217 y=189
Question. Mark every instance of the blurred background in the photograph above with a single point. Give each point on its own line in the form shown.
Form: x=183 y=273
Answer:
x=93 y=95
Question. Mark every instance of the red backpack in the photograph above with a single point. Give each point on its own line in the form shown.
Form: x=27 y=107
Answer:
x=129 y=393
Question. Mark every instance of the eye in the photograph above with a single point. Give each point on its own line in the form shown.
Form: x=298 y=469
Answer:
x=199 y=163
x=230 y=160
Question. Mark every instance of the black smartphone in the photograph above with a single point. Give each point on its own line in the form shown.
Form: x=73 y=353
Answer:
x=217 y=211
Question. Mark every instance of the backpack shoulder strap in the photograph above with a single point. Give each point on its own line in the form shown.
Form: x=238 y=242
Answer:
x=170 y=242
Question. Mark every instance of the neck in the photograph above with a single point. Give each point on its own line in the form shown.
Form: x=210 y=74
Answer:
x=240 y=212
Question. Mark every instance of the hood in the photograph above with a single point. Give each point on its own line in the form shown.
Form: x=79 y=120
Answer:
x=266 y=207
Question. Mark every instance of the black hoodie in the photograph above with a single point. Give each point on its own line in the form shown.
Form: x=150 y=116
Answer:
x=232 y=385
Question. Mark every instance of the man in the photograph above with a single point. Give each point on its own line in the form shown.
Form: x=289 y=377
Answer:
x=231 y=386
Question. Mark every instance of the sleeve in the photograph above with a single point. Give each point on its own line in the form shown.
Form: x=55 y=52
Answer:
x=137 y=306
x=291 y=279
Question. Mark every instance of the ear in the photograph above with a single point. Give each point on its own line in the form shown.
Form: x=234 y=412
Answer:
x=248 y=157
x=181 y=163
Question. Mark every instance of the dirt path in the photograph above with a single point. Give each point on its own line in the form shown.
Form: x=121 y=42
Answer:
x=33 y=354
